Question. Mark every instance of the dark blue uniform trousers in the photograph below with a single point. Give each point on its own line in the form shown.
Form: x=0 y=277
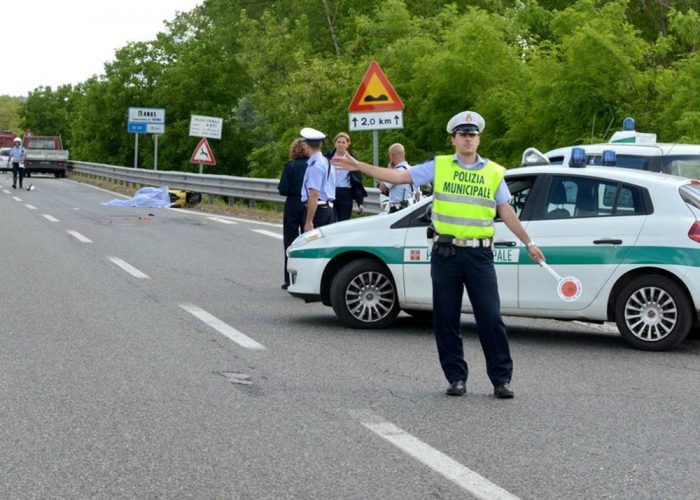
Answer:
x=473 y=268
x=292 y=226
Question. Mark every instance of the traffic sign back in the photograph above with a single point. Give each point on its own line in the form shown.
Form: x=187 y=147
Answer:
x=375 y=93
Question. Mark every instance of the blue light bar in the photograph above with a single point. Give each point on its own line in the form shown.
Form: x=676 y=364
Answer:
x=628 y=124
x=609 y=158
x=578 y=158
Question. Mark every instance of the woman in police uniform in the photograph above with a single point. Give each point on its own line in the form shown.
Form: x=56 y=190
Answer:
x=468 y=193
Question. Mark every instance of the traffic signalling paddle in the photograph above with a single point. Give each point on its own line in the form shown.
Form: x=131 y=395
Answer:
x=569 y=288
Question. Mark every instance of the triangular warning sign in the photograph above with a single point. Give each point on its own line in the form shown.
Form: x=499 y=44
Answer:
x=375 y=93
x=203 y=154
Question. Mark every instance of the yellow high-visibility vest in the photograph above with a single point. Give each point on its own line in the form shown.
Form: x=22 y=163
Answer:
x=464 y=204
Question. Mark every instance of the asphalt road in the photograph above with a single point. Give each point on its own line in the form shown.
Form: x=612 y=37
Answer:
x=150 y=353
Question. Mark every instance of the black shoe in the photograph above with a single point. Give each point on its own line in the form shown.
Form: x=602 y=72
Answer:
x=503 y=391
x=458 y=388
x=285 y=286
x=14 y=187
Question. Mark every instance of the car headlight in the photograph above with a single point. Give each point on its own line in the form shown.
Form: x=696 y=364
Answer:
x=305 y=239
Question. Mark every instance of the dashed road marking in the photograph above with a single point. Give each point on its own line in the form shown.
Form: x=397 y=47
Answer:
x=30 y=207
x=16 y=198
x=78 y=236
x=475 y=484
x=223 y=221
x=49 y=218
x=128 y=268
x=267 y=233
x=223 y=328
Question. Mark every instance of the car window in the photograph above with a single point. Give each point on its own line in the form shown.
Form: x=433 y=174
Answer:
x=520 y=188
x=636 y=162
x=578 y=197
x=685 y=166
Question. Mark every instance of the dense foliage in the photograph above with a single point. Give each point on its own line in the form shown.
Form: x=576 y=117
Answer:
x=546 y=73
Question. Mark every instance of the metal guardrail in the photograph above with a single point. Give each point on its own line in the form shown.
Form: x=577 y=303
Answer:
x=248 y=188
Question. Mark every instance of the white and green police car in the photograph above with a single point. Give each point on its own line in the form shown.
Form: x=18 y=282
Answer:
x=627 y=244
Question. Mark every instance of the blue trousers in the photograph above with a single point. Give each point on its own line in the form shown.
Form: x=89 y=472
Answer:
x=473 y=268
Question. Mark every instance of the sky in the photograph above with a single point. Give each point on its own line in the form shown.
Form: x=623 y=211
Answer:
x=55 y=42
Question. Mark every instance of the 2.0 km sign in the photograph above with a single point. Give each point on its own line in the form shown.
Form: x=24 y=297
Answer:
x=375 y=120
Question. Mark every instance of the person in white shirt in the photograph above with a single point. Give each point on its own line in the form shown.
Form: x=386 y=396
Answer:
x=400 y=195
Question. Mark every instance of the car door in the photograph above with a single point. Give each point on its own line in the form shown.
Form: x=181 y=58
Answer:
x=418 y=286
x=585 y=226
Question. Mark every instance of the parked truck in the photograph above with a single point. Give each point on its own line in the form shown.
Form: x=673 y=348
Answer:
x=45 y=154
x=6 y=138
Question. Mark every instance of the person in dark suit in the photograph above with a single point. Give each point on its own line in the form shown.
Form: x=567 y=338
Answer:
x=348 y=185
x=290 y=186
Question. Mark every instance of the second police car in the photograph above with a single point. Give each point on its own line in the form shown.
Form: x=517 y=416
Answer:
x=621 y=246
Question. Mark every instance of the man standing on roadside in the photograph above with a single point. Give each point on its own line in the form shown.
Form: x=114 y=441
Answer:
x=468 y=193
x=17 y=154
x=400 y=195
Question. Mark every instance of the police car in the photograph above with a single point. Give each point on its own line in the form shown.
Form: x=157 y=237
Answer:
x=620 y=245
x=628 y=148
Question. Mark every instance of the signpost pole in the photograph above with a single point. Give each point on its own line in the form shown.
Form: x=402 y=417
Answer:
x=201 y=168
x=375 y=146
x=136 y=150
x=155 y=152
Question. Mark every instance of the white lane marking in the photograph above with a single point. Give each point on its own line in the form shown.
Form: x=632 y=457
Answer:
x=6 y=191
x=605 y=327
x=223 y=221
x=228 y=217
x=98 y=188
x=129 y=268
x=462 y=476
x=30 y=207
x=267 y=233
x=49 y=218
x=16 y=199
x=223 y=328
x=78 y=236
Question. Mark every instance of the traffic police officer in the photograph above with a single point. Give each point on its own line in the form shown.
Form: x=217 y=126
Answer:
x=468 y=193
x=318 y=188
x=17 y=154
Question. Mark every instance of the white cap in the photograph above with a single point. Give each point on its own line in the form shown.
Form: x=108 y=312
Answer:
x=17 y=139
x=312 y=134
x=470 y=121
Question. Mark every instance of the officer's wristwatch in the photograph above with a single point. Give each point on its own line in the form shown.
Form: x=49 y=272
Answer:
x=531 y=244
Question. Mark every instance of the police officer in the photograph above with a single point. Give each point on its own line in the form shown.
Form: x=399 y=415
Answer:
x=399 y=194
x=468 y=193
x=17 y=154
x=318 y=188
x=294 y=210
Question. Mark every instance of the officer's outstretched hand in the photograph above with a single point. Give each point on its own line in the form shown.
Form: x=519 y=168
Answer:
x=345 y=162
x=535 y=253
x=308 y=227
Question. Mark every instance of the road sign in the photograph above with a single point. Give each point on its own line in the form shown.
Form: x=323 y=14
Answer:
x=146 y=120
x=203 y=153
x=375 y=93
x=375 y=120
x=206 y=126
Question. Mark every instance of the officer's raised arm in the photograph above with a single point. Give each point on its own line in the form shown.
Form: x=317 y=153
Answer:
x=381 y=174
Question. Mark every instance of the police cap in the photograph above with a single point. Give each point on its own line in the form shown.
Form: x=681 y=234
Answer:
x=312 y=136
x=466 y=121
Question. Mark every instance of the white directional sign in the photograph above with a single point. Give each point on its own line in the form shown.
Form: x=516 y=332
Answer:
x=146 y=120
x=206 y=126
x=375 y=120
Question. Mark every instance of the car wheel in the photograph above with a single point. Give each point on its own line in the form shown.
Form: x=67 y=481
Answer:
x=653 y=313
x=363 y=295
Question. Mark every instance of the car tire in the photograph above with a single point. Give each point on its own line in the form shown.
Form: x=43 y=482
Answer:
x=653 y=313
x=363 y=295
